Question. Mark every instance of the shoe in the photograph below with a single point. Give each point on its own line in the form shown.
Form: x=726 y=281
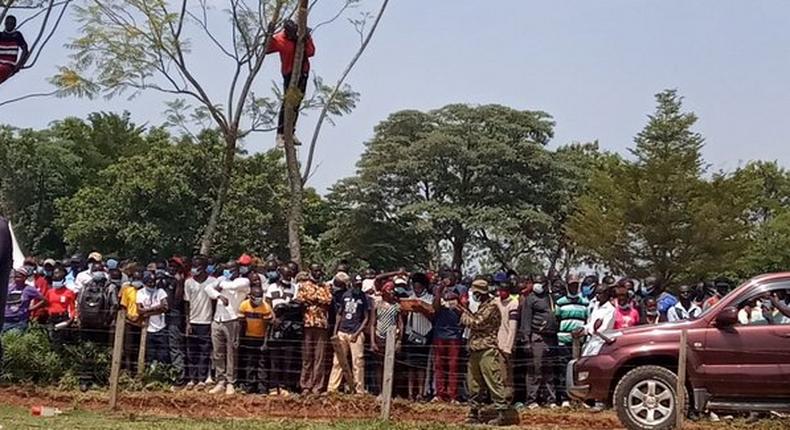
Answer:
x=220 y=387
x=753 y=418
x=533 y=406
x=566 y=404
x=553 y=406
x=285 y=393
x=209 y=380
x=200 y=386
x=280 y=141
x=499 y=421
x=455 y=402
x=229 y=390
x=83 y=387
x=473 y=418
x=274 y=392
x=189 y=386
x=436 y=400
x=713 y=417
x=598 y=407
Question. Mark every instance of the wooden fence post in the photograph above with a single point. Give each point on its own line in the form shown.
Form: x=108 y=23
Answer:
x=681 y=386
x=577 y=348
x=389 y=369
x=117 y=355
x=141 y=353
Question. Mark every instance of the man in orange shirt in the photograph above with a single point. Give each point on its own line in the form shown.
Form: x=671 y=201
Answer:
x=316 y=299
x=257 y=314
x=284 y=43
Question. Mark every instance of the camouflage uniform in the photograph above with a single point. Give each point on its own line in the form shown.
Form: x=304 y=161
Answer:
x=485 y=360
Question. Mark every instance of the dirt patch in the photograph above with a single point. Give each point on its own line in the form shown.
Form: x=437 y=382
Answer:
x=324 y=408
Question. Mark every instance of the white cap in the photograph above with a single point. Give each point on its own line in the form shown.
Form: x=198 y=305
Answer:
x=368 y=285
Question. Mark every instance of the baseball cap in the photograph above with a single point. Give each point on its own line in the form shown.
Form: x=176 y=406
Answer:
x=480 y=286
x=244 y=260
x=368 y=285
x=49 y=262
x=95 y=256
x=342 y=277
x=400 y=280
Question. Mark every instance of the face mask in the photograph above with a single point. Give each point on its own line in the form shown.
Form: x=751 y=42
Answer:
x=272 y=275
x=58 y=284
x=210 y=268
x=195 y=271
x=48 y=273
x=244 y=270
x=651 y=313
x=256 y=301
x=624 y=306
x=538 y=289
x=150 y=288
x=30 y=270
x=137 y=284
x=227 y=273
x=587 y=291
x=479 y=297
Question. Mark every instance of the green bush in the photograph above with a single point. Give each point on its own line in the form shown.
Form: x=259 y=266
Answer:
x=28 y=357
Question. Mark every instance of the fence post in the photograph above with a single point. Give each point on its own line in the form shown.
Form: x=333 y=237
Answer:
x=141 y=353
x=577 y=348
x=117 y=355
x=681 y=386
x=389 y=369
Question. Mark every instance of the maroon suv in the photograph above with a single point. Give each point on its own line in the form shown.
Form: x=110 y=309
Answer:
x=736 y=360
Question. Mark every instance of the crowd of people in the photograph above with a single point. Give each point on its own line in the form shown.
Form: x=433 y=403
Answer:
x=271 y=327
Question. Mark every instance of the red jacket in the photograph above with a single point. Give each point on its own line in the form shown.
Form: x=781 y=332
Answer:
x=287 y=50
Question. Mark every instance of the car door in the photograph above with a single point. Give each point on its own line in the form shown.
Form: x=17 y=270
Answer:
x=747 y=360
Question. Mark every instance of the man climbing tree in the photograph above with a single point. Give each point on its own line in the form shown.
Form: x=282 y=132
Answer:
x=13 y=49
x=284 y=43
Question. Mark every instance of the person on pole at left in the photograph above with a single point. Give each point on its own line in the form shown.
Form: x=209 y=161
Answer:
x=13 y=49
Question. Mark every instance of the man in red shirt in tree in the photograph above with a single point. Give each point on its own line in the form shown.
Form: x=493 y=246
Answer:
x=284 y=43
x=12 y=44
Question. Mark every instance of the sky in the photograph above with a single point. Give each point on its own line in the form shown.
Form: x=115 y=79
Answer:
x=593 y=65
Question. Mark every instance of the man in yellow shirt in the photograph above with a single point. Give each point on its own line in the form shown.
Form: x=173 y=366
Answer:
x=131 y=343
x=257 y=314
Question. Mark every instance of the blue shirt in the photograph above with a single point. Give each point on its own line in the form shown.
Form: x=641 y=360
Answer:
x=447 y=322
x=351 y=310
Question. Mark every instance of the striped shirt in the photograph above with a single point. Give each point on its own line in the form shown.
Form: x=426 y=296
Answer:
x=571 y=314
x=417 y=322
x=386 y=317
x=10 y=46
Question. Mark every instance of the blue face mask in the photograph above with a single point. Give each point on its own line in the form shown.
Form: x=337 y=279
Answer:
x=244 y=270
x=227 y=273
x=210 y=268
x=587 y=291
x=195 y=271
x=58 y=284
x=272 y=276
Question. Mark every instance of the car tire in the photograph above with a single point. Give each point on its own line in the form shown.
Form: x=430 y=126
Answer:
x=645 y=398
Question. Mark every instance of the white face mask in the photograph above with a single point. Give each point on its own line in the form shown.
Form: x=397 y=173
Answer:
x=538 y=289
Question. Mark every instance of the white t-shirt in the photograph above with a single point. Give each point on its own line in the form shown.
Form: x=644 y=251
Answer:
x=148 y=300
x=679 y=313
x=235 y=291
x=81 y=281
x=277 y=294
x=199 y=302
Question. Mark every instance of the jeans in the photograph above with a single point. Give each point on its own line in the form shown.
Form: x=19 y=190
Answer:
x=175 y=339
x=252 y=364
x=198 y=353
x=445 y=367
x=357 y=363
x=563 y=357
x=302 y=84
x=157 y=348
x=131 y=347
x=18 y=325
x=313 y=352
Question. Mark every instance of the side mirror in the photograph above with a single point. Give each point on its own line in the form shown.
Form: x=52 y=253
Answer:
x=728 y=317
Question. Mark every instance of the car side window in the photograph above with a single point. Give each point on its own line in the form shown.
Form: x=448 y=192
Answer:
x=766 y=308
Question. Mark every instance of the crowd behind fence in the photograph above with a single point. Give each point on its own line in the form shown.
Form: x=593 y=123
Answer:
x=268 y=327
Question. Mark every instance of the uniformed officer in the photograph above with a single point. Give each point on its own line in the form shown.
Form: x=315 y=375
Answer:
x=485 y=361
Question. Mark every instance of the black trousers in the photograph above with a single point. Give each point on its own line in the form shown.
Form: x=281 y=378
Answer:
x=253 y=366
x=562 y=358
x=157 y=348
x=198 y=353
x=131 y=347
x=541 y=369
x=285 y=361
x=281 y=117
x=176 y=326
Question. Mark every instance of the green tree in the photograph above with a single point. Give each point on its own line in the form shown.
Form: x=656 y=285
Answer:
x=658 y=214
x=38 y=168
x=456 y=174
x=147 y=45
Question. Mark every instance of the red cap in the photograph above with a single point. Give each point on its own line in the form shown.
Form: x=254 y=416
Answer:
x=244 y=260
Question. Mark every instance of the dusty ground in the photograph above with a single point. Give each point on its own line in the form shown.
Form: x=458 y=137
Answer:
x=317 y=409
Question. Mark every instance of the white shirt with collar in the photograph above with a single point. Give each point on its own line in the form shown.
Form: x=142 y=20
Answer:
x=235 y=291
x=679 y=313
x=603 y=312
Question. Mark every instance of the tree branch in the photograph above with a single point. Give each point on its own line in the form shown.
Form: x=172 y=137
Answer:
x=28 y=96
x=346 y=72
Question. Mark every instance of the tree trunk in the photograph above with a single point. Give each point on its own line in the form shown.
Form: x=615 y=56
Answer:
x=458 y=253
x=292 y=101
x=222 y=194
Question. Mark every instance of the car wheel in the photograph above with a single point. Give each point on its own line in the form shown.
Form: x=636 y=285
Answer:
x=645 y=398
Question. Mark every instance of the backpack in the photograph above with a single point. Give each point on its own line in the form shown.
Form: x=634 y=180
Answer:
x=94 y=307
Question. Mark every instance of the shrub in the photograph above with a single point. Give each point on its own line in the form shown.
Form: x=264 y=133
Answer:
x=28 y=357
